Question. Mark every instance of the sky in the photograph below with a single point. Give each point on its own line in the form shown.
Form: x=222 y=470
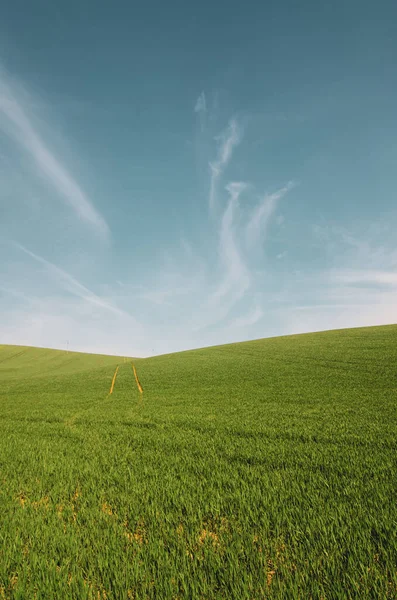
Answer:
x=178 y=175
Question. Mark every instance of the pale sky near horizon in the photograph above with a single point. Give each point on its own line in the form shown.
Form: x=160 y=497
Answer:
x=176 y=176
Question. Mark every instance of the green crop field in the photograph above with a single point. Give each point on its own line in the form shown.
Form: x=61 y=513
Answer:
x=265 y=469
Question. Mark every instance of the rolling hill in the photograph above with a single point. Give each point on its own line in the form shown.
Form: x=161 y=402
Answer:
x=264 y=469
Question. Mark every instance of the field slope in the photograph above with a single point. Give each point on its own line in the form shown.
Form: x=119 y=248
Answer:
x=265 y=469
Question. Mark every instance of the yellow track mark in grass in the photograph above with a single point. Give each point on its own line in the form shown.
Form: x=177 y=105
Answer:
x=113 y=381
x=136 y=379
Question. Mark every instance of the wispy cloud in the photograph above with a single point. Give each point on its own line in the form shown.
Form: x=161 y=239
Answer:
x=15 y=122
x=73 y=286
x=201 y=109
x=364 y=277
x=228 y=140
x=165 y=296
x=358 y=288
x=237 y=274
x=249 y=319
x=262 y=214
x=18 y=295
x=316 y=308
x=201 y=104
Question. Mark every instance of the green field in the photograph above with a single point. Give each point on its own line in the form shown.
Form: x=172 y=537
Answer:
x=265 y=469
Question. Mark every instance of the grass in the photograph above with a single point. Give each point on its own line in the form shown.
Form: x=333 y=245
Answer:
x=265 y=469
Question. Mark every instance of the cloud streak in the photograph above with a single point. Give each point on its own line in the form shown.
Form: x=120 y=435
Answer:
x=16 y=123
x=228 y=140
x=237 y=273
x=364 y=277
x=234 y=238
x=235 y=277
x=200 y=109
x=262 y=214
x=201 y=104
x=73 y=286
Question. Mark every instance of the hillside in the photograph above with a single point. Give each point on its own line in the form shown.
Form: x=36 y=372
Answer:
x=252 y=470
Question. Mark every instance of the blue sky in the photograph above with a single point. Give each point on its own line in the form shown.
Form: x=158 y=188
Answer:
x=176 y=176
